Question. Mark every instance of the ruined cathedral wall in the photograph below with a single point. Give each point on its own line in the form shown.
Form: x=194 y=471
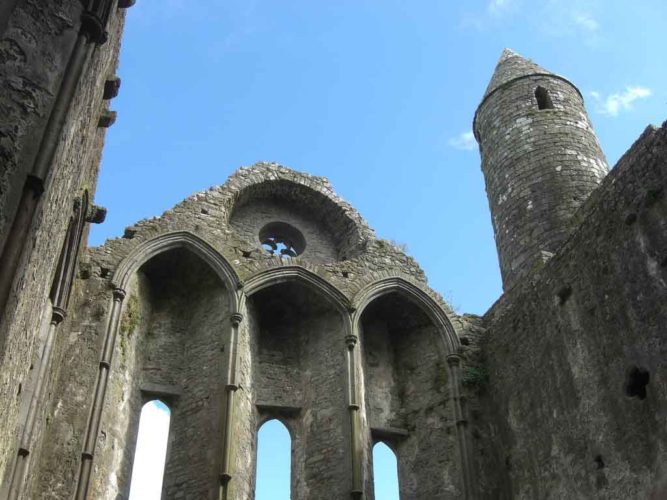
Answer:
x=409 y=408
x=299 y=377
x=37 y=41
x=576 y=354
x=82 y=339
x=321 y=427
x=35 y=46
x=207 y=215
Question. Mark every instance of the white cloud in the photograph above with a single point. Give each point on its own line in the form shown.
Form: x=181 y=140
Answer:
x=499 y=6
x=150 y=453
x=585 y=22
x=613 y=104
x=465 y=141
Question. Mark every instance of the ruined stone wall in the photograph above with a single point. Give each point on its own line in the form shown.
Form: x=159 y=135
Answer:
x=539 y=166
x=576 y=354
x=75 y=373
x=35 y=47
x=407 y=397
x=299 y=377
x=291 y=354
x=382 y=382
x=171 y=347
x=247 y=221
x=34 y=51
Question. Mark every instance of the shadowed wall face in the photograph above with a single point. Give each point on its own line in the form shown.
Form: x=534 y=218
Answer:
x=171 y=344
x=37 y=41
x=576 y=358
x=298 y=361
x=407 y=397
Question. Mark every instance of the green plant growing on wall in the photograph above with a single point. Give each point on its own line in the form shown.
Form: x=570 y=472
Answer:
x=476 y=377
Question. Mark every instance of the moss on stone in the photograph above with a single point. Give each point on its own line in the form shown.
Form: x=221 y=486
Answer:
x=131 y=316
x=129 y=322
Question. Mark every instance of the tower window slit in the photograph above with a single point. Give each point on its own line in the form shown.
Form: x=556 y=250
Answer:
x=151 y=452
x=543 y=98
x=385 y=473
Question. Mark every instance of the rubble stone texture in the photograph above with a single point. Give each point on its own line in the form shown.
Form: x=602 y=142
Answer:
x=270 y=297
x=540 y=165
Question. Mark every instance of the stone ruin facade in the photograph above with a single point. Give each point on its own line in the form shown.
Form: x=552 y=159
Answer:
x=270 y=297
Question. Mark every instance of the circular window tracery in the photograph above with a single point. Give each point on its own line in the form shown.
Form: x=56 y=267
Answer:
x=282 y=240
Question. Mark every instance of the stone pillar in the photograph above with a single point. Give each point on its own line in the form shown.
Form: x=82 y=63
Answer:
x=100 y=391
x=461 y=421
x=231 y=386
x=18 y=475
x=355 y=418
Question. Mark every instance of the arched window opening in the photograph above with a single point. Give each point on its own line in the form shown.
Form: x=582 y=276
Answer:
x=385 y=473
x=151 y=452
x=274 y=451
x=543 y=98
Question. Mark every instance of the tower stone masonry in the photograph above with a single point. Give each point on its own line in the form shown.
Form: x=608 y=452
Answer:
x=269 y=297
x=541 y=160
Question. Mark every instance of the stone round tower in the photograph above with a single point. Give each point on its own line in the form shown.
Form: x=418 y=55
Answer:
x=540 y=158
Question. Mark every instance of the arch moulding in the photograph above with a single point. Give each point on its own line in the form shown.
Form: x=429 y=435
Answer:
x=283 y=274
x=178 y=239
x=416 y=295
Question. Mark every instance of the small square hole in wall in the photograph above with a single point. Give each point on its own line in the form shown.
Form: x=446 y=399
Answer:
x=636 y=381
x=563 y=294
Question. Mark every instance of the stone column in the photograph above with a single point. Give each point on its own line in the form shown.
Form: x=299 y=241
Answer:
x=355 y=418
x=231 y=386
x=25 y=445
x=454 y=375
x=100 y=392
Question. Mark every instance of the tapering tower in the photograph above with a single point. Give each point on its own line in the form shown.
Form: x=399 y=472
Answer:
x=540 y=157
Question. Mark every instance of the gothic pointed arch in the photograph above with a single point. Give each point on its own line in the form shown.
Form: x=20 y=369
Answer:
x=171 y=332
x=300 y=355
x=414 y=294
x=407 y=341
x=276 y=275
x=169 y=241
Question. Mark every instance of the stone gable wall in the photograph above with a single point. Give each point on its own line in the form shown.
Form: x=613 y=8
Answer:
x=276 y=379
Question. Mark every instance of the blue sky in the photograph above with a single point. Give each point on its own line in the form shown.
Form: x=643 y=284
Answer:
x=376 y=95
x=273 y=462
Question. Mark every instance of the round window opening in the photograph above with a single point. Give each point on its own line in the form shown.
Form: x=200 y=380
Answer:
x=282 y=240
